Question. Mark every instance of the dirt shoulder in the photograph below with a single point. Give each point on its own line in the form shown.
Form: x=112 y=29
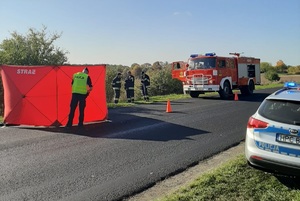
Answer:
x=176 y=182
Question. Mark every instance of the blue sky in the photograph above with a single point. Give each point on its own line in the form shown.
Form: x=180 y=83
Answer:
x=144 y=31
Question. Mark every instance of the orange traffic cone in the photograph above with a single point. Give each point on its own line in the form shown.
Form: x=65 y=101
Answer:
x=169 y=109
x=236 y=97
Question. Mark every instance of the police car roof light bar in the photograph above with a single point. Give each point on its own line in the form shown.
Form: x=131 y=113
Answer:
x=291 y=85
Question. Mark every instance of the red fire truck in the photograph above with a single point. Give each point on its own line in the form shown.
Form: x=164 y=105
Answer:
x=212 y=73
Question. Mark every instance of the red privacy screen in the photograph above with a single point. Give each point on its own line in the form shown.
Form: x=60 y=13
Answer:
x=41 y=95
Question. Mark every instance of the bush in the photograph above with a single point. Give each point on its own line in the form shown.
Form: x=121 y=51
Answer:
x=162 y=82
x=294 y=70
x=272 y=75
x=265 y=66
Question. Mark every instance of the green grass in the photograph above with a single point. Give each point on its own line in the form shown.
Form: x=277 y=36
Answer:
x=235 y=181
x=169 y=97
x=268 y=86
x=152 y=100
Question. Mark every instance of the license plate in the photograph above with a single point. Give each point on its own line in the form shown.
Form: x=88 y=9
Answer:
x=288 y=139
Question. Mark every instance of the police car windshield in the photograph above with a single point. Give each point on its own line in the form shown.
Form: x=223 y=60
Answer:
x=283 y=111
x=202 y=63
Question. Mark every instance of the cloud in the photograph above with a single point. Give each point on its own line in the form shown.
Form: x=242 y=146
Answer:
x=187 y=13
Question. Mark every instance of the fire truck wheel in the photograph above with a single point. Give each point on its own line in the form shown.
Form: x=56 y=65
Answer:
x=194 y=94
x=248 y=90
x=226 y=91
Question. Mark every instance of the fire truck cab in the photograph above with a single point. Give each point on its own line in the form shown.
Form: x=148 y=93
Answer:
x=212 y=73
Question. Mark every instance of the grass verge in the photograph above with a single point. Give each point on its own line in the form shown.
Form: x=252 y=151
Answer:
x=235 y=181
x=152 y=100
x=268 y=86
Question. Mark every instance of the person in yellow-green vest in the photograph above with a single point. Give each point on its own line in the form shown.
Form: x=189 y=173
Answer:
x=81 y=87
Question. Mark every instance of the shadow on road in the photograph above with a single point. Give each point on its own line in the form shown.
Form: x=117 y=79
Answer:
x=149 y=122
x=127 y=124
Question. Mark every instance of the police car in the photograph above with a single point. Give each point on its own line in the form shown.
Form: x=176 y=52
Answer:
x=273 y=133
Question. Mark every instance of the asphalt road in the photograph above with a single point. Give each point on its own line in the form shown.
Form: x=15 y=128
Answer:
x=113 y=160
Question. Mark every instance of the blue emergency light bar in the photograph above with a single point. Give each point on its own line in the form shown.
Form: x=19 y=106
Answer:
x=291 y=85
x=194 y=55
x=210 y=54
x=287 y=86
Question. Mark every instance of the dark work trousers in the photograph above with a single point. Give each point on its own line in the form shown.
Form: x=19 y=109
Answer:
x=77 y=99
x=145 y=92
x=117 y=95
x=130 y=95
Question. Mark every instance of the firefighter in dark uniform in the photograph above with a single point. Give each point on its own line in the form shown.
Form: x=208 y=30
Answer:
x=129 y=87
x=145 y=84
x=80 y=91
x=116 y=84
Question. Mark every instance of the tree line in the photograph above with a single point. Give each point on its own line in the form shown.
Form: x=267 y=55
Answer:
x=272 y=72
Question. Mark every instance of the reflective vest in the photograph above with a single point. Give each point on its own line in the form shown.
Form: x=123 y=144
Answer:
x=79 y=83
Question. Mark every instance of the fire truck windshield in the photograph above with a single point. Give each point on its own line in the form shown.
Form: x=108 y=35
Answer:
x=202 y=63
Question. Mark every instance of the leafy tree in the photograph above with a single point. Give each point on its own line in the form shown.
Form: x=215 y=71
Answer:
x=272 y=75
x=293 y=70
x=136 y=71
x=134 y=64
x=280 y=66
x=157 y=65
x=265 y=66
x=162 y=82
x=35 y=48
x=146 y=65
